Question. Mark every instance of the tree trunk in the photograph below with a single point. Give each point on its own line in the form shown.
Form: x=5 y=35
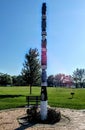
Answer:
x=30 y=89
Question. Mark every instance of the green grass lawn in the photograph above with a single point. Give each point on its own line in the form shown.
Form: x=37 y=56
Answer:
x=12 y=97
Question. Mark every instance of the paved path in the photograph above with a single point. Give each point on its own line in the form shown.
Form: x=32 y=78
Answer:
x=8 y=120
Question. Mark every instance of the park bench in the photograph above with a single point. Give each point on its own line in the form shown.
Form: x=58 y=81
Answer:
x=33 y=100
x=32 y=107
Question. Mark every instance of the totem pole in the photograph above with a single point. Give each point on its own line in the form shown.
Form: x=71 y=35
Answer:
x=43 y=104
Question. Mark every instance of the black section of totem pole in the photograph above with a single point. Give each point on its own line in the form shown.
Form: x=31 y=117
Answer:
x=44 y=8
x=43 y=24
x=44 y=76
x=43 y=93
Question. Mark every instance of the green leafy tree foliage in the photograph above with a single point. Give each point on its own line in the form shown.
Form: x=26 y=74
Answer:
x=58 y=81
x=18 y=81
x=5 y=79
x=79 y=77
x=50 y=81
x=31 y=68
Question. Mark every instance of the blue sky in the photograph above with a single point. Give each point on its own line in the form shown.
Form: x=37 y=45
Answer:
x=20 y=29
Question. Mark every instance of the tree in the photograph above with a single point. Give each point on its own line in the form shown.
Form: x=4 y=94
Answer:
x=18 y=81
x=5 y=79
x=50 y=81
x=67 y=80
x=63 y=80
x=59 y=79
x=31 y=68
x=79 y=77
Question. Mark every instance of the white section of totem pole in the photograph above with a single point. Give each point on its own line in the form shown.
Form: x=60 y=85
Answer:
x=43 y=110
x=43 y=16
x=44 y=66
x=43 y=37
x=44 y=33
x=44 y=84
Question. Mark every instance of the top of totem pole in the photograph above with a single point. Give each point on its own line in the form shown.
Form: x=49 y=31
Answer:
x=44 y=8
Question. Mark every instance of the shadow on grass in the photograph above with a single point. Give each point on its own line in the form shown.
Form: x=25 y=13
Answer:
x=70 y=98
x=10 y=96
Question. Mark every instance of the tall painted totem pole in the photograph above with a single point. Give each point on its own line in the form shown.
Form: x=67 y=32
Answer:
x=43 y=65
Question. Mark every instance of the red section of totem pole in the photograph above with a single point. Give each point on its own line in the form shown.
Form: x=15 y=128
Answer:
x=44 y=56
x=44 y=42
x=44 y=53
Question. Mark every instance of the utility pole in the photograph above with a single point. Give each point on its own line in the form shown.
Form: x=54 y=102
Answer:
x=43 y=104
